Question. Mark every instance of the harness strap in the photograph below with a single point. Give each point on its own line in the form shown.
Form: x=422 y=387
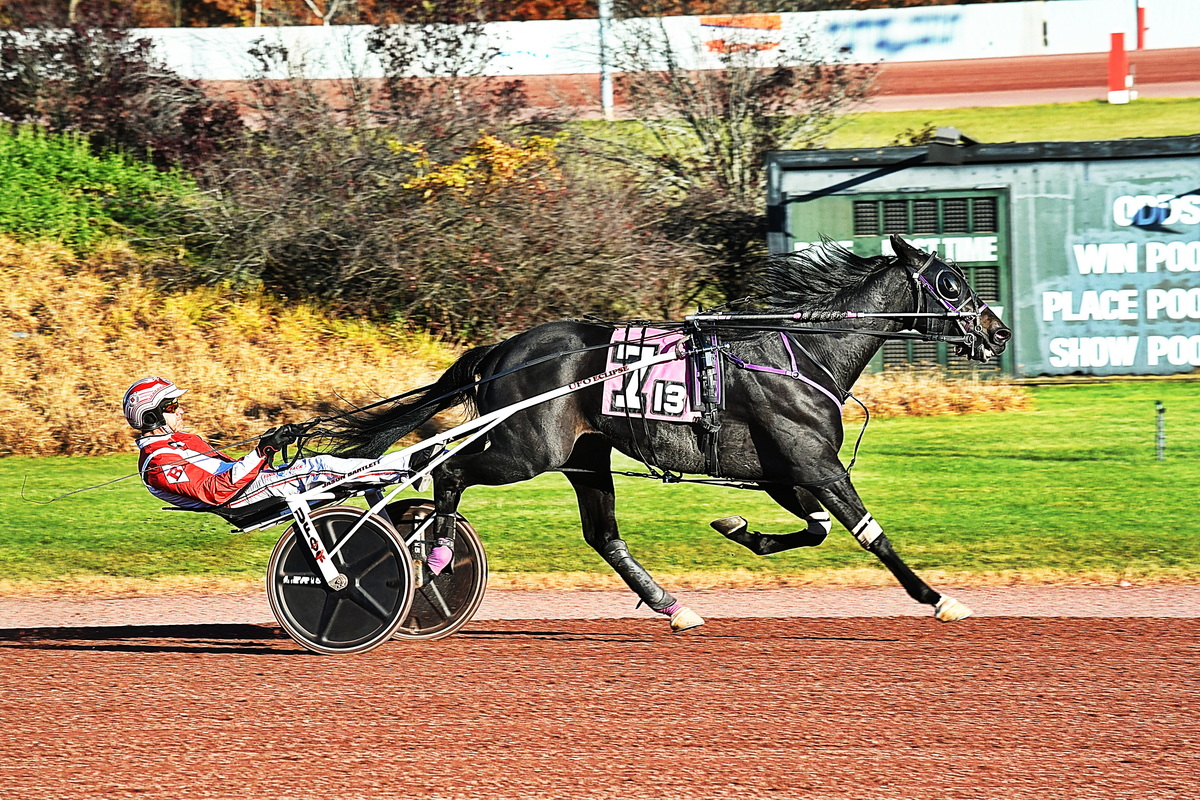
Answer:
x=707 y=372
x=794 y=372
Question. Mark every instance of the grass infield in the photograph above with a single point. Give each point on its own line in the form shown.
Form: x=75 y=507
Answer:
x=1086 y=121
x=1069 y=492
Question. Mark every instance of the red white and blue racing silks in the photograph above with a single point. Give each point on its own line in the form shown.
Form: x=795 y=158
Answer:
x=184 y=470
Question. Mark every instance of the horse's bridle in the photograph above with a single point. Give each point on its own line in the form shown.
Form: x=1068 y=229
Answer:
x=946 y=286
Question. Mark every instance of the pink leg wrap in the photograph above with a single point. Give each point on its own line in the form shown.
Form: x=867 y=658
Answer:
x=671 y=609
x=439 y=557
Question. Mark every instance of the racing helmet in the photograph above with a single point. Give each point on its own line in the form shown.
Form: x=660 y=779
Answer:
x=144 y=400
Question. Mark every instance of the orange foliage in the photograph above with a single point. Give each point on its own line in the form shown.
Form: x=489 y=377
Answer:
x=552 y=9
x=489 y=164
x=240 y=10
x=218 y=13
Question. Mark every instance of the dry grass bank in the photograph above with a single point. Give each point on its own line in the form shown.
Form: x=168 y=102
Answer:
x=74 y=335
x=929 y=392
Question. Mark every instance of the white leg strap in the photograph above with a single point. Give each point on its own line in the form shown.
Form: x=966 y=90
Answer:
x=867 y=530
x=819 y=521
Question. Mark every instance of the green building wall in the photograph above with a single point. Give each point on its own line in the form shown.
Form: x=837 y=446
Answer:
x=1095 y=256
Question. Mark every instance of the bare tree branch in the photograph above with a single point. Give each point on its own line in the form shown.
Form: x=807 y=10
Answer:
x=707 y=130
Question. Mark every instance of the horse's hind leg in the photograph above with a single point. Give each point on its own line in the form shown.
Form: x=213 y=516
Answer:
x=796 y=500
x=842 y=500
x=448 y=488
x=593 y=486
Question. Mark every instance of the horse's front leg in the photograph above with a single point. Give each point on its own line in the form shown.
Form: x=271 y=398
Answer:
x=597 y=511
x=796 y=500
x=842 y=500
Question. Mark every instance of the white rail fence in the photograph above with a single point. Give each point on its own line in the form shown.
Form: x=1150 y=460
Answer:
x=559 y=47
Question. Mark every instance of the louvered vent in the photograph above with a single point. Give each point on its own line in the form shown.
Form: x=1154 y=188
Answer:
x=866 y=218
x=954 y=216
x=986 y=283
x=984 y=216
x=925 y=216
x=895 y=216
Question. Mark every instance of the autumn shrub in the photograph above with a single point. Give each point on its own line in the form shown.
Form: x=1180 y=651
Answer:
x=75 y=333
x=474 y=242
x=522 y=238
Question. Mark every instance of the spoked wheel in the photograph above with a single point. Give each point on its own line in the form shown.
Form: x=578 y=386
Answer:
x=442 y=603
x=358 y=618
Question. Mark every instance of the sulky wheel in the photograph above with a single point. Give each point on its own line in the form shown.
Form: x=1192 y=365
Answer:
x=442 y=603
x=358 y=618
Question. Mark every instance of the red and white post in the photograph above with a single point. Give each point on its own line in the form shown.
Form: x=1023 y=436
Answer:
x=1120 y=81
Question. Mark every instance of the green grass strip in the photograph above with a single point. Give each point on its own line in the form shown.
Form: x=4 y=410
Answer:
x=1093 y=120
x=1068 y=492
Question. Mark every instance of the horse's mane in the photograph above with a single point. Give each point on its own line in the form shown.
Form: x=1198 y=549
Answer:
x=814 y=279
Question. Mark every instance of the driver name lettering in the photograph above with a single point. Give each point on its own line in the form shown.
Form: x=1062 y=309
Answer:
x=612 y=373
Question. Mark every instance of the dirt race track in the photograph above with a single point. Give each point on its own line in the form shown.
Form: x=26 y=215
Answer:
x=900 y=707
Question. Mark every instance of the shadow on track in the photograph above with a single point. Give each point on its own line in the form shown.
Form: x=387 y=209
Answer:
x=221 y=638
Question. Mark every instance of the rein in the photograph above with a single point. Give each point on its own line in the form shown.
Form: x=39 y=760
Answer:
x=711 y=324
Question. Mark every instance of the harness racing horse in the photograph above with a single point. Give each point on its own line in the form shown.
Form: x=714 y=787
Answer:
x=779 y=421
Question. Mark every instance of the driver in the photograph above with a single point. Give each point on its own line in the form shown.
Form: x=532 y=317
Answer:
x=184 y=470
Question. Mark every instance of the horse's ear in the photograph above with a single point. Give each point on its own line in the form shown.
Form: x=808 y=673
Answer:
x=906 y=251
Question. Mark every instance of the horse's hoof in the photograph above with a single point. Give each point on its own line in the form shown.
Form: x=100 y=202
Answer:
x=685 y=619
x=950 y=610
x=728 y=526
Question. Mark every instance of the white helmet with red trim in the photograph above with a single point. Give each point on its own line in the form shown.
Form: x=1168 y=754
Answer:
x=144 y=400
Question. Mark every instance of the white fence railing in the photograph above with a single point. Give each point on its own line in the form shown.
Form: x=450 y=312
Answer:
x=555 y=47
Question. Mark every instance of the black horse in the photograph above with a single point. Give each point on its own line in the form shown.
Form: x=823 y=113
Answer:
x=772 y=404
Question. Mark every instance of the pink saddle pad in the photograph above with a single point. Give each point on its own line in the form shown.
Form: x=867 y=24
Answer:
x=659 y=392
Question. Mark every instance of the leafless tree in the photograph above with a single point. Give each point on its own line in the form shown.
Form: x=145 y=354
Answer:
x=438 y=80
x=710 y=112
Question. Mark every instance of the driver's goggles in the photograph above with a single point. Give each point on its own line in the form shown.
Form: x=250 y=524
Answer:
x=171 y=407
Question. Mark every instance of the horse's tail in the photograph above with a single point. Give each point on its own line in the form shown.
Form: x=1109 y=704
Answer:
x=369 y=433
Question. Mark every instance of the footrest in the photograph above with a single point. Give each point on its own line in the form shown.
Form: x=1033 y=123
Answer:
x=255 y=514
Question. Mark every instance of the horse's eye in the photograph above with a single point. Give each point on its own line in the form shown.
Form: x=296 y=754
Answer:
x=949 y=285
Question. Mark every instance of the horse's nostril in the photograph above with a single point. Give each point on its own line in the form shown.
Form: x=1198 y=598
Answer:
x=1002 y=335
